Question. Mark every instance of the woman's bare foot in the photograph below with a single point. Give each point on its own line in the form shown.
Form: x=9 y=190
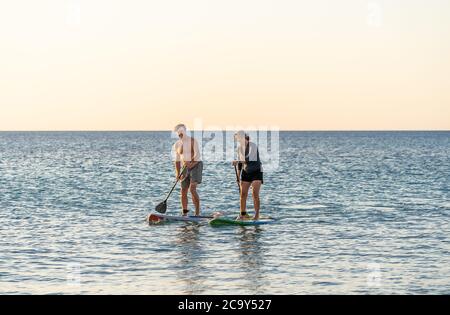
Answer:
x=244 y=217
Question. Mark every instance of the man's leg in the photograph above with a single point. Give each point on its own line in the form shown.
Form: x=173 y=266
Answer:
x=195 y=197
x=184 y=195
x=196 y=179
x=256 y=185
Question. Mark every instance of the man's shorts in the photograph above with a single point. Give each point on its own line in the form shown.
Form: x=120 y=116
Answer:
x=195 y=175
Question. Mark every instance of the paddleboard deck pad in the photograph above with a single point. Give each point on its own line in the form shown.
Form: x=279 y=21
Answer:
x=220 y=221
x=158 y=218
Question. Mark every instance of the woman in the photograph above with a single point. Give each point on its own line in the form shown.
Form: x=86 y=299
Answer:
x=251 y=172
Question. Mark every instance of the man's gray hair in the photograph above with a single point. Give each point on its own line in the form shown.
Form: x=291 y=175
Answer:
x=177 y=127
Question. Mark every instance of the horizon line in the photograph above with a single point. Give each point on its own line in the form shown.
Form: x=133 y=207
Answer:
x=280 y=130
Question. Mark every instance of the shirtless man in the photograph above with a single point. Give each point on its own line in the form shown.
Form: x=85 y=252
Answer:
x=187 y=153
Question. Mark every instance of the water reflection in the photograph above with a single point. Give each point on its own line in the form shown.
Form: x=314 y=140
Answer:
x=191 y=258
x=251 y=258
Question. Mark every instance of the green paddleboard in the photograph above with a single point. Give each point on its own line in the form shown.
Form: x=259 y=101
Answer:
x=248 y=222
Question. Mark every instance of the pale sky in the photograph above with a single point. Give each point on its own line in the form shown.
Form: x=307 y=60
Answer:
x=292 y=64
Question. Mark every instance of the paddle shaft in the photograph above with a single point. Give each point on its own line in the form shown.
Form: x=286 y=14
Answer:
x=237 y=178
x=174 y=185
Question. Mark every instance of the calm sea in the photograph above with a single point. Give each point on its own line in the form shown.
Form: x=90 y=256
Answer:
x=360 y=212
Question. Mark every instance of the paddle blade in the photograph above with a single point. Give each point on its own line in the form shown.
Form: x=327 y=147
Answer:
x=162 y=207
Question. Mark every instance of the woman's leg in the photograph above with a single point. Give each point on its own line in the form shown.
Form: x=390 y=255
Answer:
x=256 y=187
x=244 y=194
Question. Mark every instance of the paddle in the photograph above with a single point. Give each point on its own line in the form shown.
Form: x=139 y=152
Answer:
x=162 y=207
x=237 y=178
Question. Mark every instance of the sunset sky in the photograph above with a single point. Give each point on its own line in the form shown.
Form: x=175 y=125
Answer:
x=297 y=65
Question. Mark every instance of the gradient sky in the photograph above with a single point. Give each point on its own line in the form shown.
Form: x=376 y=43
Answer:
x=298 y=65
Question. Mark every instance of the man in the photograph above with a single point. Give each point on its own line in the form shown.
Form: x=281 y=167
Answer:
x=187 y=155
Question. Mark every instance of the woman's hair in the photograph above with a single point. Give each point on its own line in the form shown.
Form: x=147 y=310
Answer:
x=241 y=135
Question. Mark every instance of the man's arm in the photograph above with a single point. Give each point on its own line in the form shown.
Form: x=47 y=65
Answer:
x=177 y=159
x=178 y=168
